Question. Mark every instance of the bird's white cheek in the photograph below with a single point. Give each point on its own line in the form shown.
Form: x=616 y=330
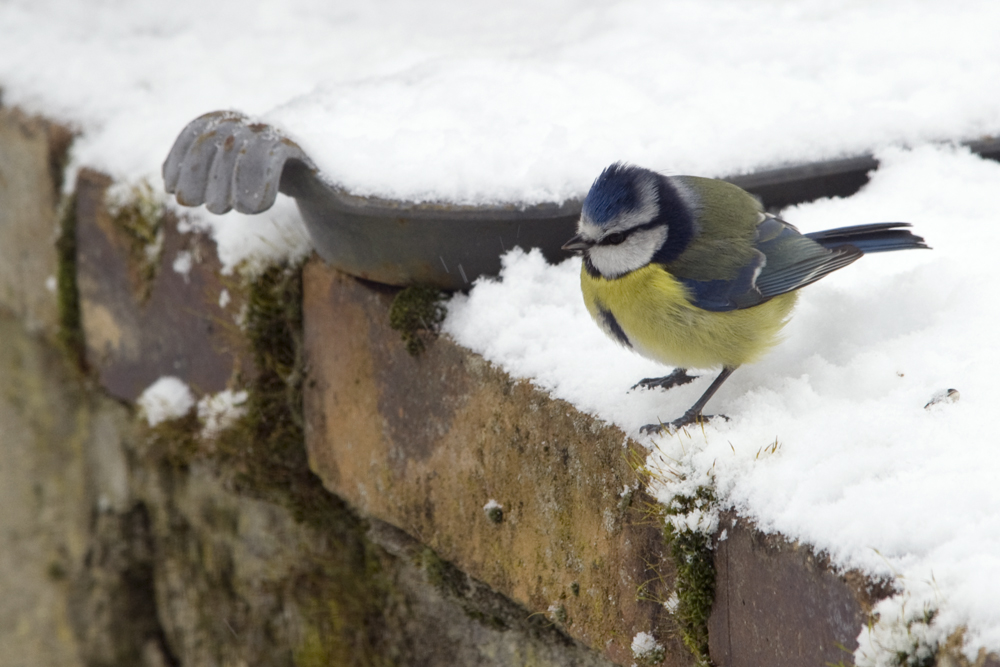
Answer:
x=636 y=252
x=614 y=261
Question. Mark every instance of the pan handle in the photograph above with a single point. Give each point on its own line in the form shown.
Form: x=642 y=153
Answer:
x=224 y=161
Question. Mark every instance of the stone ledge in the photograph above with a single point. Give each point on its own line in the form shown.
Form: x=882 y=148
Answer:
x=140 y=327
x=778 y=604
x=425 y=442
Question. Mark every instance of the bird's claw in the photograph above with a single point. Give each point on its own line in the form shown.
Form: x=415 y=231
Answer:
x=676 y=379
x=653 y=429
x=672 y=427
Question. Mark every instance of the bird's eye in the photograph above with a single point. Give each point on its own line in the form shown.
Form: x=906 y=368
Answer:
x=613 y=239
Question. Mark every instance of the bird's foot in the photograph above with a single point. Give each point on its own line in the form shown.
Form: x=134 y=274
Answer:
x=676 y=379
x=687 y=419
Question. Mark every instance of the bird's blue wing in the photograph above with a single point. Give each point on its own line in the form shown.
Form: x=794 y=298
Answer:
x=786 y=260
x=723 y=295
x=795 y=260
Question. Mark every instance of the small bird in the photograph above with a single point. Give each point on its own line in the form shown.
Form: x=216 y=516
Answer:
x=692 y=272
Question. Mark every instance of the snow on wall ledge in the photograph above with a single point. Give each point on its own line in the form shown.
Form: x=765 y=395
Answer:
x=862 y=470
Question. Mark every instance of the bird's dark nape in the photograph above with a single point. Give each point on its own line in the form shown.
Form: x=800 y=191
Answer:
x=877 y=237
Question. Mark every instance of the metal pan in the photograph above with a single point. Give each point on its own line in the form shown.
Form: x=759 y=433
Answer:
x=224 y=161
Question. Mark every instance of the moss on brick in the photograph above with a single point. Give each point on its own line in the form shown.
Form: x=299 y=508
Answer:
x=691 y=553
x=343 y=599
x=138 y=213
x=417 y=313
x=67 y=291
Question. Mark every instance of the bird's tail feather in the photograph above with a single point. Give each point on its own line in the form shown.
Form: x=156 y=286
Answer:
x=878 y=237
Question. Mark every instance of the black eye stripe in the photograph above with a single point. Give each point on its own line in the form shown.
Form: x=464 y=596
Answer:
x=618 y=237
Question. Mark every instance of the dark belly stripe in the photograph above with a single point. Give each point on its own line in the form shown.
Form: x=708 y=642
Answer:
x=611 y=324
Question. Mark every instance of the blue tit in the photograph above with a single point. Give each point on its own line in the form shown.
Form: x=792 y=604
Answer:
x=691 y=272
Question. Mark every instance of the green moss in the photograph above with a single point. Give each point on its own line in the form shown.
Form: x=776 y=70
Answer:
x=56 y=571
x=266 y=447
x=691 y=553
x=344 y=599
x=919 y=654
x=654 y=657
x=312 y=651
x=337 y=625
x=417 y=313
x=67 y=292
x=441 y=574
x=695 y=582
x=454 y=584
x=138 y=212
x=559 y=614
x=175 y=442
x=348 y=607
x=274 y=328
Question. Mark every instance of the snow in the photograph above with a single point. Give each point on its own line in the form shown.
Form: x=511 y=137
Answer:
x=829 y=441
x=645 y=647
x=183 y=262
x=217 y=412
x=167 y=398
x=254 y=242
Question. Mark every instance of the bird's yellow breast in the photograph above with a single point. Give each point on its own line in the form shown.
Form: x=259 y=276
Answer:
x=652 y=309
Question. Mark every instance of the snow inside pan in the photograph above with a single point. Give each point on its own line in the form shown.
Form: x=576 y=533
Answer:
x=525 y=101
x=522 y=101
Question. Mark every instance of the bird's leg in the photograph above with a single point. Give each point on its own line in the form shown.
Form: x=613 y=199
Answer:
x=676 y=379
x=694 y=412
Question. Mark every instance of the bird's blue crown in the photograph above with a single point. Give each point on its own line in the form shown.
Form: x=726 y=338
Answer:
x=614 y=192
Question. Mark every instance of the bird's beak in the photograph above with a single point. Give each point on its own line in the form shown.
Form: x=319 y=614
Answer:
x=577 y=244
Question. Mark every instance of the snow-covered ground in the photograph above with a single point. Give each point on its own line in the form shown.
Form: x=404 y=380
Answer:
x=861 y=469
x=523 y=101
